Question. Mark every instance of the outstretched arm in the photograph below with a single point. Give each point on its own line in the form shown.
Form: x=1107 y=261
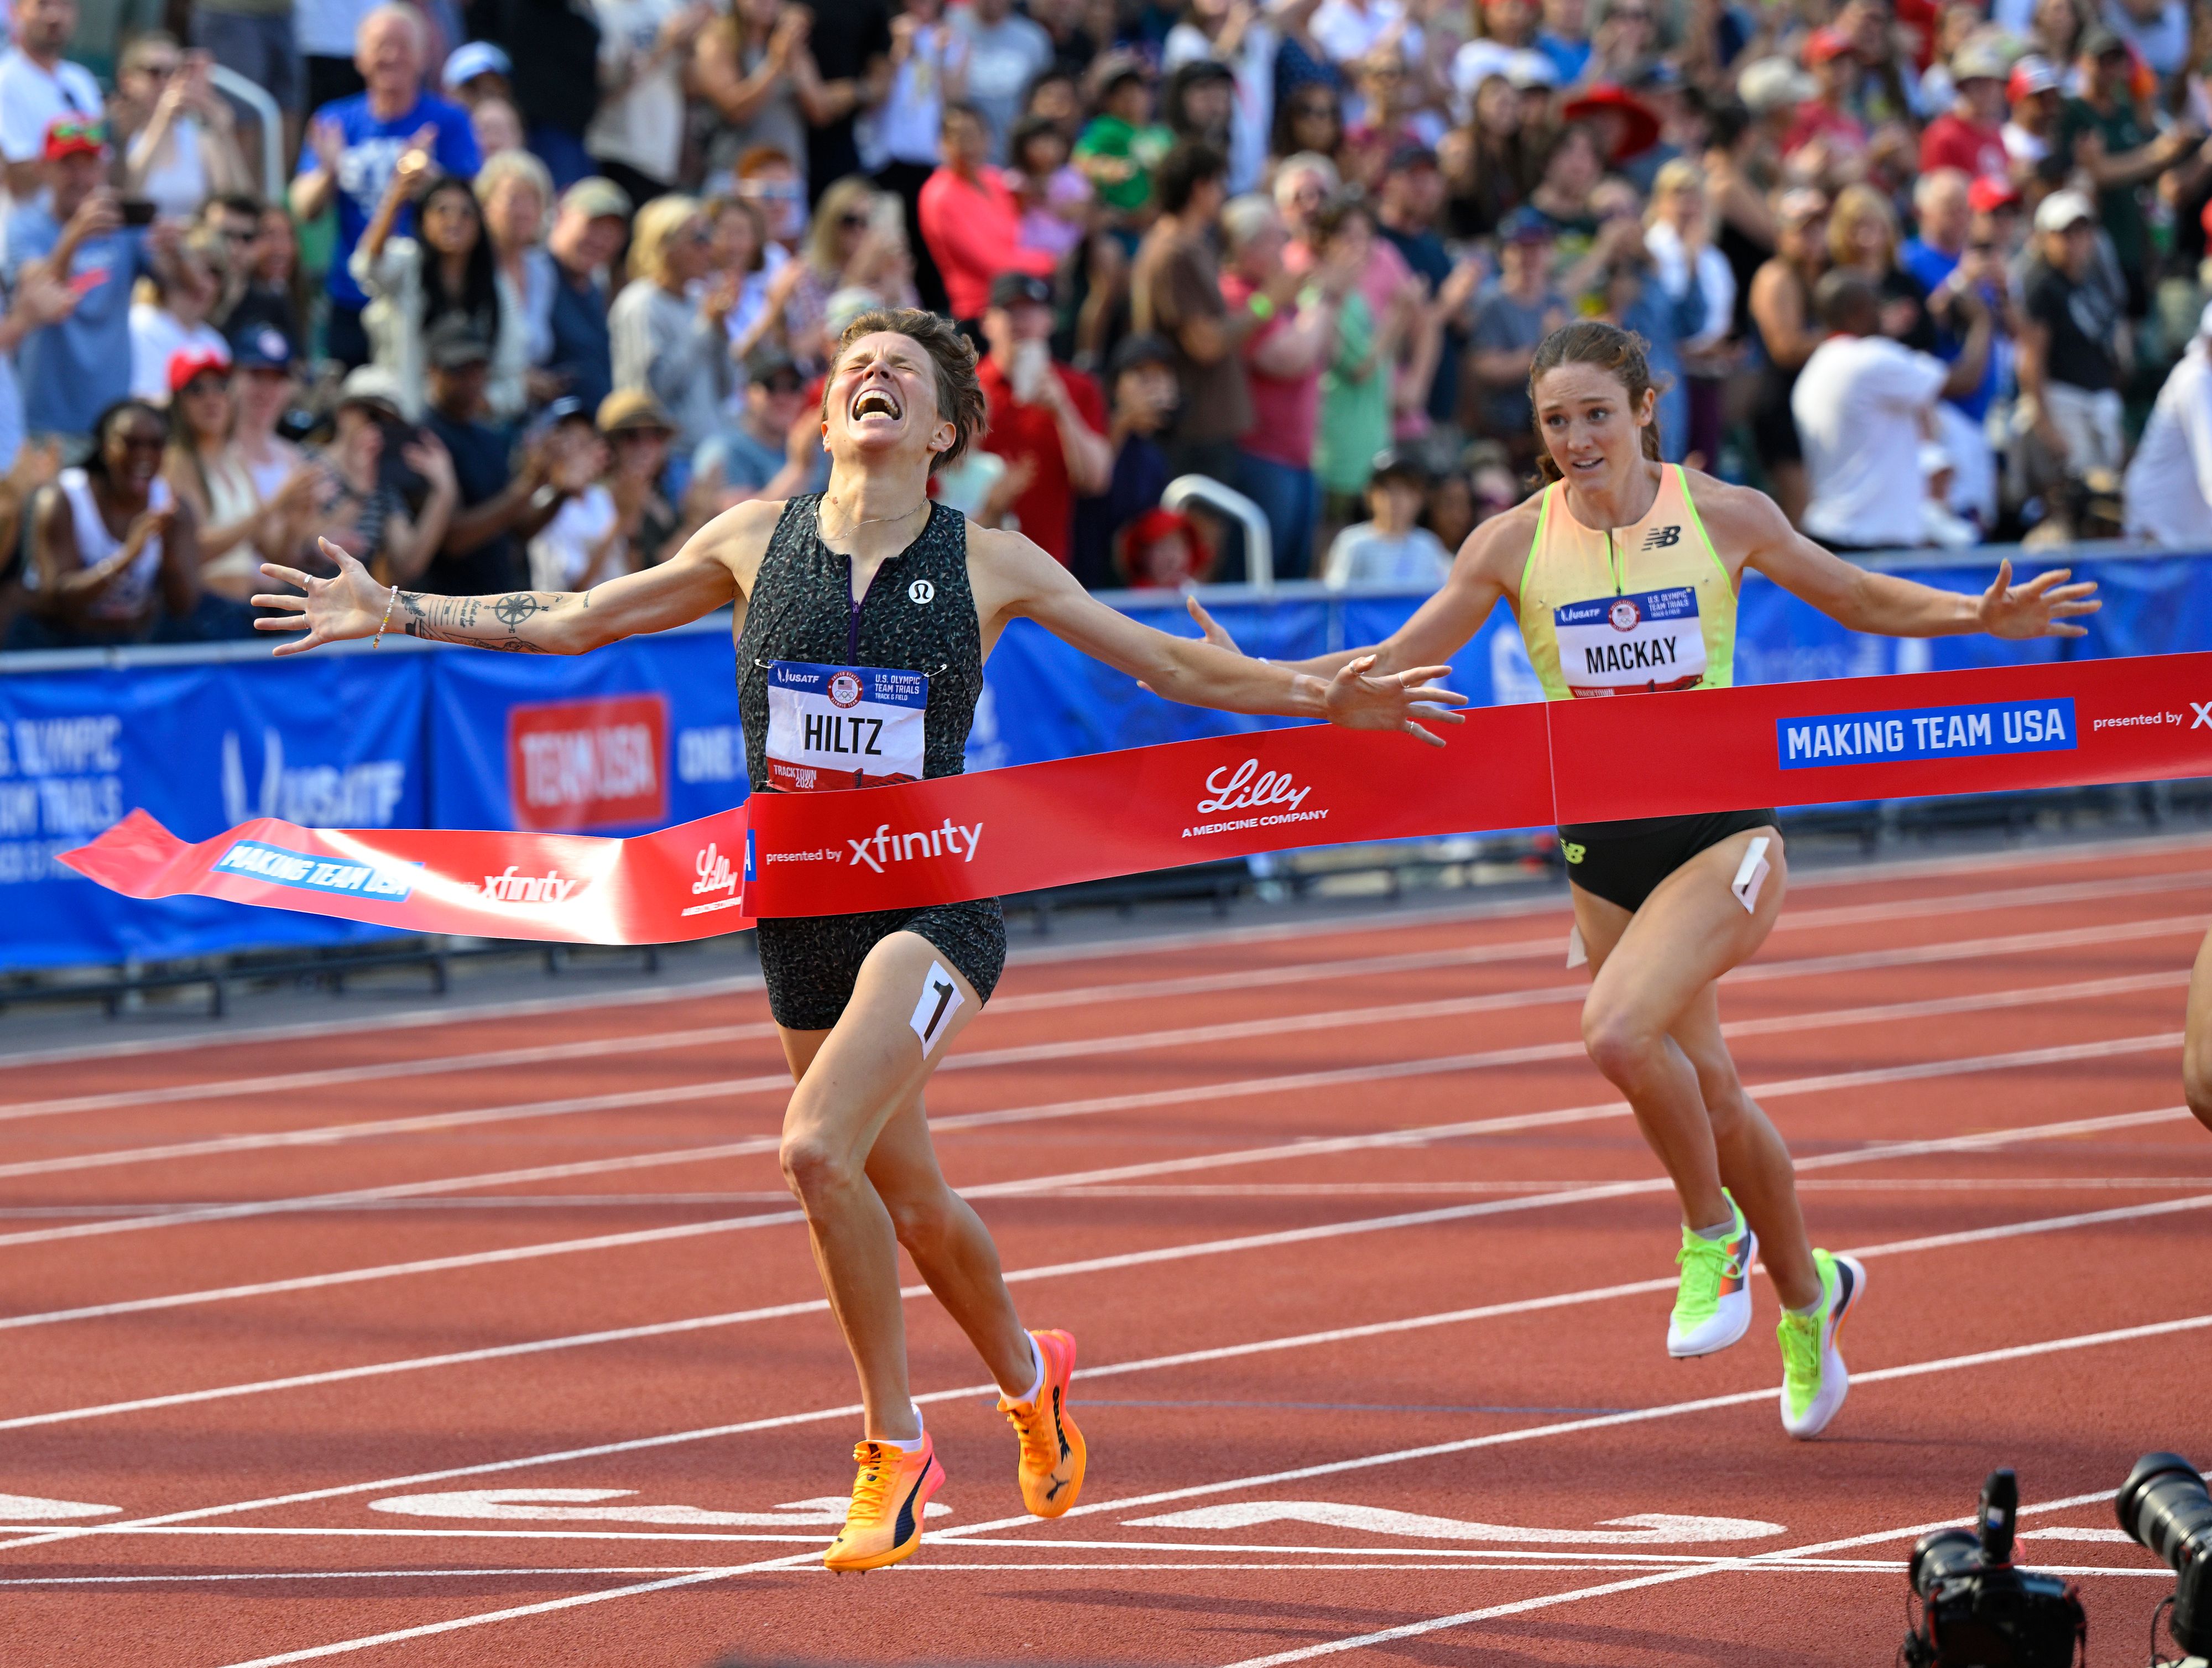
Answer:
x=697 y=580
x=1015 y=578
x=1885 y=603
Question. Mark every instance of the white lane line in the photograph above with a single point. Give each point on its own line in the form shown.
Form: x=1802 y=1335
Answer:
x=1982 y=1358
x=328 y=1134
x=1871 y=872
x=1080 y=996
x=1917 y=1072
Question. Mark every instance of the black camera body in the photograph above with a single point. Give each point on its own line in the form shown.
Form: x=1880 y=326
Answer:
x=1977 y=1610
x=2164 y=1508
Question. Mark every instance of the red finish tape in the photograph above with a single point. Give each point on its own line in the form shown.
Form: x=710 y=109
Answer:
x=2065 y=724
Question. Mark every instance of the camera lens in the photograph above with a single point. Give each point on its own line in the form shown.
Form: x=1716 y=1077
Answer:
x=1938 y=1556
x=2163 y=1505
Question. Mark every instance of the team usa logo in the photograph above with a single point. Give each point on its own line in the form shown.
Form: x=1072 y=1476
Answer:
x=1624 y=614
x=844 y=690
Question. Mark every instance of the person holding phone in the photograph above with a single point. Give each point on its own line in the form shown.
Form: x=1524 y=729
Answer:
x=178 y=137
x=1043 y=413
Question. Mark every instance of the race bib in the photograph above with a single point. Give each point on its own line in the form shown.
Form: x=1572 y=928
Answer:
x=1630 y=645
x=843 y=726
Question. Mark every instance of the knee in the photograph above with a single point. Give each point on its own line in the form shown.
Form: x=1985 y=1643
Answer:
x=921 y=1220
x=817 y=1173
x=1618 y=1045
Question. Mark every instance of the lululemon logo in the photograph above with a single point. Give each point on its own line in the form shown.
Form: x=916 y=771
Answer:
x=921 y=591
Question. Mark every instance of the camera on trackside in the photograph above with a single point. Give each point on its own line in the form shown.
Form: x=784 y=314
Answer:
x=2164 y=1509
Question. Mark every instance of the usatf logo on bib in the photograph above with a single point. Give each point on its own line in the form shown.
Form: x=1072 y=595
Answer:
x=1631 y=645
x=833 y=727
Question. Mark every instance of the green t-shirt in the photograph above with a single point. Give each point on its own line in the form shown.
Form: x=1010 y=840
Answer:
x=1355 y=414
x=1111 y=137
x=2120 y=207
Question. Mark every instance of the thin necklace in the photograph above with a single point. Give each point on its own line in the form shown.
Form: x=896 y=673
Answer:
x=851 y=527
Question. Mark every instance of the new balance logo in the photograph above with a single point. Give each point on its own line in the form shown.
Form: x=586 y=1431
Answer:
x=1658 y=538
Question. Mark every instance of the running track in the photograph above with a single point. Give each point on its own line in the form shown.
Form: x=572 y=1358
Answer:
x=1369 y=1270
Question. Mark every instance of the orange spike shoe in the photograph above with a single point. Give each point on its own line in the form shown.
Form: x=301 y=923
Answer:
x=1053 y=1451
x=888 y=1498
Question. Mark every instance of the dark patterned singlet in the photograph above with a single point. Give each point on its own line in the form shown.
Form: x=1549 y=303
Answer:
x=919 y=615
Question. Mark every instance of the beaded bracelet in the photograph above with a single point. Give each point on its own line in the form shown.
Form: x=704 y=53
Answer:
x=378 y=641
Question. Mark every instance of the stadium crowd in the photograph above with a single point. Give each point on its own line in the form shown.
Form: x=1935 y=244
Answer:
x=540 y=285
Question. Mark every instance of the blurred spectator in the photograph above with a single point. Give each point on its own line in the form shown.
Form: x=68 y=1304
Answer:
x=588 y=541
x=1508 y=322
x=40 y=86
x=112 y=556
x=844 y=70
x=242 y=524
x=326 y=33
x=1489 y=164
x=1054 y=198
x=1244 y=39
x=477 y=72
x=2069 y=368
x=357 y=508
x=971 y=218
x=1121 y=145
x=497 y=126
x=1970 y=136
x=1309 y=118
x=502 y=508
x=258 y=40
x=1006 y=51
x=1140 y=386
x=1056 y=92
x=665 y=343
x=554 y=46
x=2103 y=132
x=636 y=135
x=739 y=247
x=1407 y=215
x=929 y=64
x=637 y=433
x=1045 y=418
x=177 y=135
x=588 y=232
x=743 y=66
x=1294 y=337
x=2035 y=93
x=1357 y=382
x=768 y=178
x=261 y=291
x=39 y=299
x=1683 y=260
x=448 y=271
x=1945 y=258
x=1827 y=123
x=1861 y=405
x=355 y=145
x=1162 y=549
x=1390 y=547
x=1348 y=30
x=753 y=456
x=1175 y=292
x=1197 y=102
x=515 y=193
x=1789 y=331
x=2169 y=484
x=72 y=233
x=1862 y=239
x=857 y=242
x=175 y=320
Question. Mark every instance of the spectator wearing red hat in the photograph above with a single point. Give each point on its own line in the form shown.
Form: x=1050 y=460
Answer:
x=72 y=233
x=1970 y=136
x=2035 y=92
x=1163 y=549
x=185 y=290
x=1826 y=117
x=39 y=86
x=1044 y=417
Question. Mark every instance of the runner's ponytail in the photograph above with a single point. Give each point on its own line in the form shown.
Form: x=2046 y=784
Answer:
x=1620 y=353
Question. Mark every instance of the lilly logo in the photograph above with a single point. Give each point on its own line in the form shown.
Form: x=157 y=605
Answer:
x=715 y=873
x=512 y=888
x=1248 y=785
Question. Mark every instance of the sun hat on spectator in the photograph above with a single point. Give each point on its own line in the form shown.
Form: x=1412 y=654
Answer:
x=596 y=198
x=1639 y=128
x=2063 y=209
x=1774 y=83
x=264 y=348
x=1822 y=45
x=2097 y=41
x=1526 y=225
x=1016 y=288
x=1528 y=69
x=1989 y=193
x=1979 y=58
x=473 y=58
x=453 y=344
x=2031 y=74
x=633 y=411
x=371 y=384
x=185 y=363
x=75 y=135
x=1134 y=352
x=848 y=304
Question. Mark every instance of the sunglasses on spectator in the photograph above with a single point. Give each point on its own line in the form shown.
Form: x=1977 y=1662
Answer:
x=787 y=191
x=786 y=384
x=201 y=387
x=854 y=221
x=158 y=68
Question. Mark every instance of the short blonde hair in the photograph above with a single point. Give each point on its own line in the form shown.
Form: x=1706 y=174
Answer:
x=657 y=222
x=505 y=165
x=1855 y=203
x=851 y=192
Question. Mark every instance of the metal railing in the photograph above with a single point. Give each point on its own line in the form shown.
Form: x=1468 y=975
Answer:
x=1258 y=541
x=255 y=98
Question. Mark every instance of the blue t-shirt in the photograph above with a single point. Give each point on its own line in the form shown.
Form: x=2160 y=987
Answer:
x=372 y=149
x=1569 y=57
x=72 y=371
x=1932 y=266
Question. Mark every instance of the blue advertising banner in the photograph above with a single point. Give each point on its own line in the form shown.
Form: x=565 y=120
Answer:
x=645 y=732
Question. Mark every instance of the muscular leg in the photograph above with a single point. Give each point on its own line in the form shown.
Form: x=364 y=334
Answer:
x=854 y=1082
x=2197 y=1044
x=1651 y=1026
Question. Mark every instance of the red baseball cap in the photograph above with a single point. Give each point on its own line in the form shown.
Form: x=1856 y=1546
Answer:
x=75 y=135
x=2031 y=76
x=1824 y=43
x=1988 y=194
x=185 y=363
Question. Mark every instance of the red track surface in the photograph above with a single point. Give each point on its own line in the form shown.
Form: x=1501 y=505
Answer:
x=1236 y=1143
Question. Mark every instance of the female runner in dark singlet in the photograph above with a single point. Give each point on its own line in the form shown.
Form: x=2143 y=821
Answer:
x=873 y=598
x=1623 y=573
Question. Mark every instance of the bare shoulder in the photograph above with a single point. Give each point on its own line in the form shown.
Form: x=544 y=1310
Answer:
x=1498 y=548
x=1738 y=519
x=1009 y=559
x=737 y=538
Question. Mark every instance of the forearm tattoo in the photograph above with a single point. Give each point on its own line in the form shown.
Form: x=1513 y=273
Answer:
x=481 y=622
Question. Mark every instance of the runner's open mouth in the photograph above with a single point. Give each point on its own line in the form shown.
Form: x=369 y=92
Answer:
x=875 y=402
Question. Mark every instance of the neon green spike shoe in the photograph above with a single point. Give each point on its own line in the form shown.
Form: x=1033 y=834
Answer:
x=1813 y=1379
x=1712 y=1305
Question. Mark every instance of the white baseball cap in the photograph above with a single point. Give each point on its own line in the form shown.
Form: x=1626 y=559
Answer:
x=473 y=58
x=2062 y=209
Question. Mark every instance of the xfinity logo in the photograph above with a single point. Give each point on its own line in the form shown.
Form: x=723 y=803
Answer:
x=715 y=873
x=2203 y=711
x=884 y=847
x=1247 y=785
x=512 y=888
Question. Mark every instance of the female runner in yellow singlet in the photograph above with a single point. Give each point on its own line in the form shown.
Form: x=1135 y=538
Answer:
x=1624 y=573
